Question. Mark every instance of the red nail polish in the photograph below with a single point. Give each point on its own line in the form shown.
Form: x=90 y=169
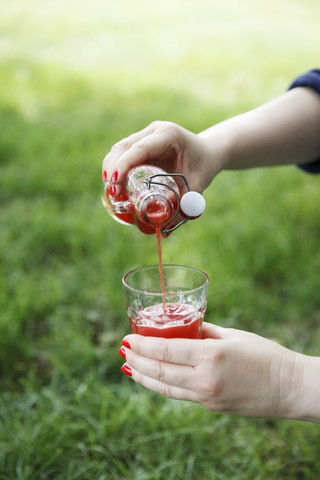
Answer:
x=127 y=370
x=104 y=175
x=122 y=352
x=112 y=190
x=114 y=177
x=125 y=343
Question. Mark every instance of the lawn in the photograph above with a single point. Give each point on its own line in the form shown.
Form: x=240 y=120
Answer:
x=75 y=77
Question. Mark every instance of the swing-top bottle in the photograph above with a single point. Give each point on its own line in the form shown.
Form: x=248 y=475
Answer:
x=148 y=197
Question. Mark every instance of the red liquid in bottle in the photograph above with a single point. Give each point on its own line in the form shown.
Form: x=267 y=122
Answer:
x=125 y=216
x=157 y=214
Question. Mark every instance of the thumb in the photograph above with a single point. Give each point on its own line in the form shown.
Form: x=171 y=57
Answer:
x=209 y=330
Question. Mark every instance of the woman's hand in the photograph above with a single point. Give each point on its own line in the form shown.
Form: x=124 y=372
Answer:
x=169 y=146
x=228 y=370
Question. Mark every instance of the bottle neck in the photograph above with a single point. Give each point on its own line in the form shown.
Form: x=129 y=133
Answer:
x=155 y=209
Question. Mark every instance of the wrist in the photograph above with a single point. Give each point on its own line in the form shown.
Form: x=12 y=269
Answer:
x=300 y=392
x=290 y=375
x=216 y=148
x=307 y=389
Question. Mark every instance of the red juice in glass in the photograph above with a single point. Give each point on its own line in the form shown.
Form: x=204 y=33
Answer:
x=169 y=302
x=176 y=320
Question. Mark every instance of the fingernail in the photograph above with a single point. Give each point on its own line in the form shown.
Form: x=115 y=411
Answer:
x=127 y=370
x=112 y=190
x=104 y=175
x=125 y=343
x=122 y=352
x=114 y=177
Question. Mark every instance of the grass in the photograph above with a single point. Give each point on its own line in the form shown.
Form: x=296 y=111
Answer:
x=75 y=78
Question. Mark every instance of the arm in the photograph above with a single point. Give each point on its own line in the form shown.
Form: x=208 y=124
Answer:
x=283 y=131
x=228 y=371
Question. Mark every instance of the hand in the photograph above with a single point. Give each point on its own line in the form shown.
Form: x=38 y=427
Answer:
x=228 y=370
x=169 y=146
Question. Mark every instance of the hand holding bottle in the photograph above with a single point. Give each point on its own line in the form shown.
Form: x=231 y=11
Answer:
x=172 y=148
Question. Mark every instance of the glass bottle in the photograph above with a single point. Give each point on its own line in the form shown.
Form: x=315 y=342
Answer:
x=148 y=197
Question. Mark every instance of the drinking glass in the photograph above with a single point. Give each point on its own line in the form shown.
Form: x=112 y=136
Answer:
x=172 y=307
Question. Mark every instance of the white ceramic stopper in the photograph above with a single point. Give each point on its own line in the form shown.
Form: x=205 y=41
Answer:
x=192 y=204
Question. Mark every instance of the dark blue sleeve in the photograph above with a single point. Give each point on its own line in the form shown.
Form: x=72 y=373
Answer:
x=311 y=80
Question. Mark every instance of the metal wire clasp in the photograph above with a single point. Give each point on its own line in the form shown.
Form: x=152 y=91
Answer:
x=150 y=181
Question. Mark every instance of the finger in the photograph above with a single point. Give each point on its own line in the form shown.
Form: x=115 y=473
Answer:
x=110 y=160
x=170 y=350
x=155 y=146
x=168 y=373
x=209 y=330
x=164 y=389
x=216 y=332
x=109 y=165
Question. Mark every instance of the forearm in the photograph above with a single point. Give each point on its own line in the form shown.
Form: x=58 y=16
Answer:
x=283 y=131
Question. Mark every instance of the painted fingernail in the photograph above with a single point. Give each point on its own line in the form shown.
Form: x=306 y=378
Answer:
x=125 y=343
x=127 y=370
x=122 y=352
x=112 y=190
x=104 y=175
x=114 y=177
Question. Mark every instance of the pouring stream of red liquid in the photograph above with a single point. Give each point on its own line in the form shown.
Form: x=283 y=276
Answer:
x=158 y=237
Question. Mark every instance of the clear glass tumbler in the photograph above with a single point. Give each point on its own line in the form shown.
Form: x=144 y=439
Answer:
x=172 y=309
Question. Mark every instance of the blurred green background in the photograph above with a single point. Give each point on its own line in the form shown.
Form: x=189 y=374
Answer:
x=75 y=77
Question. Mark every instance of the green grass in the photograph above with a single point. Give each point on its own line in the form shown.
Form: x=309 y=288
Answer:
x=74 y=79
